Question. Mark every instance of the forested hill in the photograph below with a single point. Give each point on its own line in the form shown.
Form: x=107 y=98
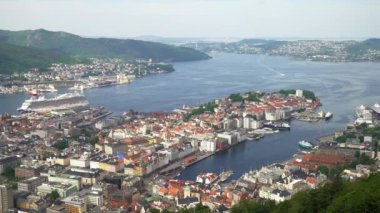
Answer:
x=71 y=44
x=19 y=59
x=339 y=196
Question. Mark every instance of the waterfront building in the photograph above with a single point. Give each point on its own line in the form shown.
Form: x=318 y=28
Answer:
x=274 y=115
x=230 y=137
x=247 y=120
x=208 y=146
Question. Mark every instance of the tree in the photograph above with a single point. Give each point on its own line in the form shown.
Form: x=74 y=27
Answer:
x=248 y=206
x=341 y=139
x=9 y=172
x=323 y=169
x=93 y=140
x=62 y=144
x=54 y=195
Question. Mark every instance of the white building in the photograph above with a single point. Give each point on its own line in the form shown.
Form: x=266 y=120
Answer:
x=83 y=161
x=274 y=115
x=208 y=146
x=299 y=93
x=247 y=122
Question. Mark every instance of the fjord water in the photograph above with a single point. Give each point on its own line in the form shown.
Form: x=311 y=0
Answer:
x=341 y=87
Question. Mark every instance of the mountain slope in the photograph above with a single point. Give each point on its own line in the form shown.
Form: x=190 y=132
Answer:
x=19 y=59
x=100 y=47
x=364 y=46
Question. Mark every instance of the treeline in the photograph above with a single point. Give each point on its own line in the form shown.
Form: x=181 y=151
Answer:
x=306 y=93
x=338 y=196
x=209 y=107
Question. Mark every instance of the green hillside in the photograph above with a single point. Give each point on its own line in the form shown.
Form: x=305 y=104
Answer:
x=339 y=196
x=100 y=47
x=364 y=46
x=19 y=59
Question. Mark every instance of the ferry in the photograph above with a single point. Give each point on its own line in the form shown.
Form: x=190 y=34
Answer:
x=305 y=145
x=265 y=130
x=277 y=125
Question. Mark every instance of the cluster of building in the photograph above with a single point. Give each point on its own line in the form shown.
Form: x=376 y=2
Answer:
x=115 y=160
x=130 y=161
x=100 y=72
x=316 y=50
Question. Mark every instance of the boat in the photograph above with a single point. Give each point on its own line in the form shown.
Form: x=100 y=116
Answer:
x=33 y=92
x=225 y=175
x=254 y=137
x=77 y=87
x=328 y=115
x=305 y=145
x=265 y=130
x=65 y=101
x=376 y=109
x=277 y=125
x=104 y=83
x=48 y=88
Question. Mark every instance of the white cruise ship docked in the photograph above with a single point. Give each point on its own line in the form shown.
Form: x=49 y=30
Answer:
x=62 y=102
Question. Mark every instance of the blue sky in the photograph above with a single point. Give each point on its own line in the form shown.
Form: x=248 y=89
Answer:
x=197 y=18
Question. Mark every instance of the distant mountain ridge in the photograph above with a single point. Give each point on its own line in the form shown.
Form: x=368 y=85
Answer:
x=71 y=44
x=23 y=50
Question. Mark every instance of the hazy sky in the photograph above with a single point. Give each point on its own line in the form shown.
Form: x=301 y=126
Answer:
x=197 y=18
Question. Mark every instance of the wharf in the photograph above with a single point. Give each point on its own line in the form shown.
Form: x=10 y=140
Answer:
x=308 y=116
x=326 y=138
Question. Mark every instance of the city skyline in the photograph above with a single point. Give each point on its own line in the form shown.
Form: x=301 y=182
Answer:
x=200 y=18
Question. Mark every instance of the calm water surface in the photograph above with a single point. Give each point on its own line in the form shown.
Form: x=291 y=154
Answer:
x=341 y=86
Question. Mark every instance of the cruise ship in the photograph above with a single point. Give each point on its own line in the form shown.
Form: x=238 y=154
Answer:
x=62 y=102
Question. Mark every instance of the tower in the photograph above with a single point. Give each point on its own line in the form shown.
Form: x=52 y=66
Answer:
x=6 y=198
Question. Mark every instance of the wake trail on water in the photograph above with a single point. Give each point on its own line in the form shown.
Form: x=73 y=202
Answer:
x=270 y=68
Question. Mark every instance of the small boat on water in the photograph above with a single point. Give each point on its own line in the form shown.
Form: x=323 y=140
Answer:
x=328 y=115
x=305 y=145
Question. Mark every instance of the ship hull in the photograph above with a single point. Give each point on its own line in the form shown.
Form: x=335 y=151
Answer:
x=63 y=102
